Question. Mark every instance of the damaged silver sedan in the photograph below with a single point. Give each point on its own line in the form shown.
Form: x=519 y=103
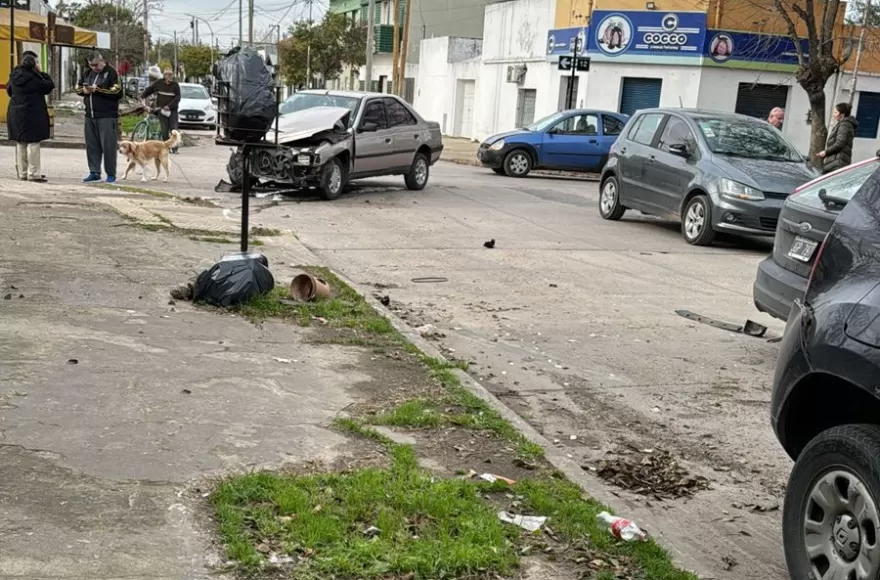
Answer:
x=328 y=138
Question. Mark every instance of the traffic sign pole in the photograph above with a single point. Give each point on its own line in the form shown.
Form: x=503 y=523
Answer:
x=569 y=101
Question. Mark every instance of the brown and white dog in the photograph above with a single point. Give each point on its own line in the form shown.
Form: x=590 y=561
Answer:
x=142 y=153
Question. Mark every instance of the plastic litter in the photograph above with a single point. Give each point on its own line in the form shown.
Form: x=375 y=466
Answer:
x=247 y=104
x=234 y=280
x=492 y=478
x=528 y=523
x=622 y=528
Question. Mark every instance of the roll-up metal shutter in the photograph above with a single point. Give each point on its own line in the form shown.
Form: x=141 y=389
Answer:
x=639 y=94
x=758 y=100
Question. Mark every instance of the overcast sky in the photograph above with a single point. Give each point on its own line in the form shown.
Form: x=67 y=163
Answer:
x=223 y=18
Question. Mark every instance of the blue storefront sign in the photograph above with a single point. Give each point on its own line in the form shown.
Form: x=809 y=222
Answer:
x=561 y=41
x=647 y=36
x=748 y=50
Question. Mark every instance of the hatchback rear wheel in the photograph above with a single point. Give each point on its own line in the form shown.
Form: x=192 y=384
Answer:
x=831 y=516
x=609 y=200
x=696 y=222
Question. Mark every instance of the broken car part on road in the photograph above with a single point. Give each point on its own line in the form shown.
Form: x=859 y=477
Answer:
x=750 y=327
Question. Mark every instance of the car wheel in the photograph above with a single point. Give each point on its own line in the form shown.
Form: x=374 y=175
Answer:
x=518 y=163
x=498 y=170
x=831 y=519
x=417 y=177
x=610 y=207
x=696 y=222
x=332 y=179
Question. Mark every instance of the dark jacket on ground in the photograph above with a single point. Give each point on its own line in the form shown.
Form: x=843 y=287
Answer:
x=167 y=94
x=27 y=118
x=838 y=148
x=104 y=102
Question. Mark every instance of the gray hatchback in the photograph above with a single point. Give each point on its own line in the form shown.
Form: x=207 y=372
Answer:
x=713 y=171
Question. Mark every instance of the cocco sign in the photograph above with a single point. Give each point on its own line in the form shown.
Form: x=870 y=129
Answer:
x=657 y=38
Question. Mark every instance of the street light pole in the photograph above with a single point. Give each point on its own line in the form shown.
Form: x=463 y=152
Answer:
x=210 y=29
x=371 y=17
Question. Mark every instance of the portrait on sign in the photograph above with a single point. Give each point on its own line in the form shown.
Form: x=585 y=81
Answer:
x=721 y=47
x=614 y=34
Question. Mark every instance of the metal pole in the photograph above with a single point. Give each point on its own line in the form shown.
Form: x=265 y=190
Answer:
x=395 y=50
x=865 y=24
x=146 y=32
x=570 y=97
x=371 y=17
x=404 y=51
x=176 y=67
x=309 y=50
x=240 y=24
x=250 y=23
x=11 y=35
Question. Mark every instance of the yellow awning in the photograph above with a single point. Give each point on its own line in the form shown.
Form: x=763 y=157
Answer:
x=31 y=27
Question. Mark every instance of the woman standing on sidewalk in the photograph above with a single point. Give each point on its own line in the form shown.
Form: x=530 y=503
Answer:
x=27 y=118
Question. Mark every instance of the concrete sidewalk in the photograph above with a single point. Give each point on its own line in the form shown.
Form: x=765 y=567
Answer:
x=115 y=403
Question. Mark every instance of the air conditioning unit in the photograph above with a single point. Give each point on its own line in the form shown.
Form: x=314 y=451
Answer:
x=516 y=73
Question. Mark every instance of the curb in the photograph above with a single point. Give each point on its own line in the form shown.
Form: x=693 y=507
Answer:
x=592 y=177
x=556 y=457
x=50 y=144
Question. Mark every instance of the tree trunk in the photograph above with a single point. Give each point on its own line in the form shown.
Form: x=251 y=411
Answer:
x=818 y=129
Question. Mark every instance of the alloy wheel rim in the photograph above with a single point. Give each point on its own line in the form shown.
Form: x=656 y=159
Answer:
x=335 y=178
x=421 y=171
x=840 y=528
x=519 y=163
x=695 y=220
x=609 y=195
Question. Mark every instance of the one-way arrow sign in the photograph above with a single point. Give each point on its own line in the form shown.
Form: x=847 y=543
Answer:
x=581 y=63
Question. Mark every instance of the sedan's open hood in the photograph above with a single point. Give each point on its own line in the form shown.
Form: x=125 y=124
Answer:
x=303 y=124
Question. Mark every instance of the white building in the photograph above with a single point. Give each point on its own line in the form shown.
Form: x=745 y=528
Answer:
x=666 y=59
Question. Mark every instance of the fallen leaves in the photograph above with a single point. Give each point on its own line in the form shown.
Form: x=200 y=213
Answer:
x=652 y=473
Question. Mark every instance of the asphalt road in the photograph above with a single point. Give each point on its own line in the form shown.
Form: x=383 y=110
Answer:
x=571 y=321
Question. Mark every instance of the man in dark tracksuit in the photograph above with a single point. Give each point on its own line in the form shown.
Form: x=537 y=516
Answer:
x=101 y=92
x=167 y=92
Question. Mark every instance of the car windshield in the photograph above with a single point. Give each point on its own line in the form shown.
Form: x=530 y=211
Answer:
x=195 y=93
x=842 y=186
x=748 y=138
x=546 y=122
x=303 y=101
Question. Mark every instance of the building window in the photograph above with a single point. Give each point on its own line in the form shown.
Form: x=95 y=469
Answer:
x=868 y=115
x=525 y=107
x=757 y=100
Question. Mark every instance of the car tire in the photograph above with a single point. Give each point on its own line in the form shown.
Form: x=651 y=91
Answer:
x=610 y=207
x=417 y=177
x=696 y=222
x=839 y=469
x=332 y=179
x=518 y=163
x=499 y=171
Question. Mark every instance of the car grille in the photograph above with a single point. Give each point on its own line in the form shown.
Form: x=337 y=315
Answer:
x=754 y=223
x=775 y=195
x=768 y=223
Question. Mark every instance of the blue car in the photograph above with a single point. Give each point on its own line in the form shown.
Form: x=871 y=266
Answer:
x=573 y=140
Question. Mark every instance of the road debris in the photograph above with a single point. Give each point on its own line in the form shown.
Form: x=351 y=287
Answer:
x=653 y=473
x=72 y=361
x=429 y=280
x=429 y=331
x=729 y=562
x=492 y=478
x=308 y=288
x=384 y=300
x=750 y=327
x=183 y=293
x=233 y=280
x=623 y=529
x=528 y=523
x=490 y=244
x=372 y=532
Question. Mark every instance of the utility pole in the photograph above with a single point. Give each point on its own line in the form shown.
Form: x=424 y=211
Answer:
x=570 y=96
x=12 y=36
x=146 y=31
x=371 y=19
x=176 y=68
x=192 y=25
x=250 y=23
x=395 y=51
x=240 y=24
x=309 y=50
x=865 y=23
x=404 y=51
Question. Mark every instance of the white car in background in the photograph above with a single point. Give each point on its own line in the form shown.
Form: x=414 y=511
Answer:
x=196 y=109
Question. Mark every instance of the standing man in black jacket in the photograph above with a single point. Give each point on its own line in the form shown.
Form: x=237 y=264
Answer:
x=167 y=92
x=101 y=92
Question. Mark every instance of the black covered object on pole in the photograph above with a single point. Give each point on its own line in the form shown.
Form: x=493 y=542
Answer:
x=569 y=101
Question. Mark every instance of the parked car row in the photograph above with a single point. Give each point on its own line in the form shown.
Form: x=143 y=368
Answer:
x=719 y=172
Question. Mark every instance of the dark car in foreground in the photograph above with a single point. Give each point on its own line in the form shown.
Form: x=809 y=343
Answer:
x=825 y=403
x=573 y=140
x=716 y=172
x=806 y=217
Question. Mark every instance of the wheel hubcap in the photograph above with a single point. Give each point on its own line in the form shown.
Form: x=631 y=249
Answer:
x=421 y=171
x=609 y=195
x=840 y=529
x=335 y=178
x=519 y=163
x=694 y=220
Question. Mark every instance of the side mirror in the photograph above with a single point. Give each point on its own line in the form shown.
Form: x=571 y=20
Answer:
x=553 y=131
x=368 y=127
x=679 y=149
